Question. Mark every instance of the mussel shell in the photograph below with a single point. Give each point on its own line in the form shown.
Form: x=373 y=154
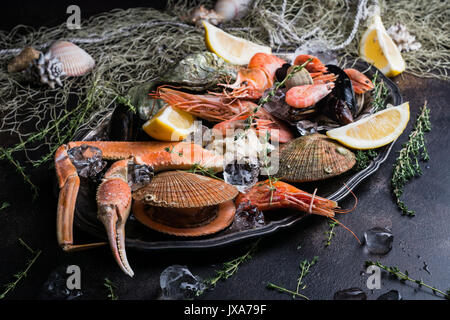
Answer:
x=282 y=72
x=180 y=189
x=125 y=125
x=313 y=157
x=340 y=104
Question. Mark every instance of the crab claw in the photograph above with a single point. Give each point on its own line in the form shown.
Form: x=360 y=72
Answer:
x=114 y=204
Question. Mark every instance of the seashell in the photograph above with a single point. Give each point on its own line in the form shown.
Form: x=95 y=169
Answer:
x=314 y=157
x=178 y=222
x=180 y=189
x=23 y=60
x=197 y=15
x=75 y=61
x=231 y=9
x=299 y=78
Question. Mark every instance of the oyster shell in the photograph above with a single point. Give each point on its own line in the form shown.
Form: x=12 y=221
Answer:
x=314 y=157
x=75 y=61
x=180 y=189
x=200 y=71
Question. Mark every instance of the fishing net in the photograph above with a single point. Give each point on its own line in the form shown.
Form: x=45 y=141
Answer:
x=136 y=45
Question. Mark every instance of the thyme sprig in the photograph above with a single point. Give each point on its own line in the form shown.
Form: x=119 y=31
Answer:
x=197 y=168
x=21 y=274
x=379 y=97
x=407 y=165
x=4 y=206
x=229 y=268
x=305 y=267
x=110 y=286
x=380 y=94
x=364 y=158
x=330 y=232
x=404 y=276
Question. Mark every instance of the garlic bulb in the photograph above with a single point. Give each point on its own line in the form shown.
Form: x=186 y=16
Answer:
x=231 y=9
x=404 y=40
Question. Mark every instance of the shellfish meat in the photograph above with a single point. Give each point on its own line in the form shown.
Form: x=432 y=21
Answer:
x=185 y=204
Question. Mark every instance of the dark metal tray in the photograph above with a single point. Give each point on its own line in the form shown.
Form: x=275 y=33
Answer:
x=140 y=237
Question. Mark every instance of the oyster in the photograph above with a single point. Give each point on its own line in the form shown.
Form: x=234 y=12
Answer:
x=313 y=157
x=200 y=71
x=185 y=204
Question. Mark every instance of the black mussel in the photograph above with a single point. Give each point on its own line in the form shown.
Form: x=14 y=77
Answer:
x=340 y=105
x=281 y=72
x=125 y=124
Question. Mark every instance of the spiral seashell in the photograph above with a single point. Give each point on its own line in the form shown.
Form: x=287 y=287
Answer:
x=23 y=60
x=180 y=189
x=231 y=9
x=314 y=157
x=75 y=61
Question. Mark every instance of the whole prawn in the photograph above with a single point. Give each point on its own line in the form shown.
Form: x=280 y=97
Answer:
x=251 y=82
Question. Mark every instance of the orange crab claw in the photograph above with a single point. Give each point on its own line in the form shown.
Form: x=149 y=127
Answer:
x=114 y=204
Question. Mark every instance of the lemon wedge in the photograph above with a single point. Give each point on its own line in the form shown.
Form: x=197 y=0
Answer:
x=230 y=48
x=375 y=130
x=170 y=124
x=377 y=48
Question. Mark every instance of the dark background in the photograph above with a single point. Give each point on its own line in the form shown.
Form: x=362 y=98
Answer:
x=418 y=242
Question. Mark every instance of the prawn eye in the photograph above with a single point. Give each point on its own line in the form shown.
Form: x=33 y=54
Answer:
x=244 y=83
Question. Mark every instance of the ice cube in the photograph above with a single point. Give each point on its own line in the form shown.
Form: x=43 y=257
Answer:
x=178 y=283
x=350 y=294
x=87 y=160
x=378 y=240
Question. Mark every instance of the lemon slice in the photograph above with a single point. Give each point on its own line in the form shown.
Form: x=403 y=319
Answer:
x=377 y=48
x=230 y=48
x=170 y=124
x=375 y=130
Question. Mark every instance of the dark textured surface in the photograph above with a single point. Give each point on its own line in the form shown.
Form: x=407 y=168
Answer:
x=423 y=239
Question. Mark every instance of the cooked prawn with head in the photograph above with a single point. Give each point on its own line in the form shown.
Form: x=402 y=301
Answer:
x=251 y=82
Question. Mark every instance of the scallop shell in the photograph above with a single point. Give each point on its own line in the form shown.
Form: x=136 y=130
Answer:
x=75 y=61
x=180 y=189
x=314 y=157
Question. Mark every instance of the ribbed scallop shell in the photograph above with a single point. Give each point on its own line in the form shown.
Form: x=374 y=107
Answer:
x=314 y=157
x=75 y=61
x=180 y=189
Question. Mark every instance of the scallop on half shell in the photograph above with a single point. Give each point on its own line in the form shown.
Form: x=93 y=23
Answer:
x=75 y=61
x=185 y=204
x=313 y=157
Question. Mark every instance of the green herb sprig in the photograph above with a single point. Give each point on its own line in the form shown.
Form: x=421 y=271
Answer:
x=110 y=286
x=229 y=268
x=404 y=276
x=21 y=274
x=126 y=101
x=330 y=232
x=305 y=267
x=197 y=168
x=4 y=206
x=379 y=97
x=407 y=164
x=380 y=94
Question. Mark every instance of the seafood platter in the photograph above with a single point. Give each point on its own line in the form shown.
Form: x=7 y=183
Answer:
x=141 y=179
